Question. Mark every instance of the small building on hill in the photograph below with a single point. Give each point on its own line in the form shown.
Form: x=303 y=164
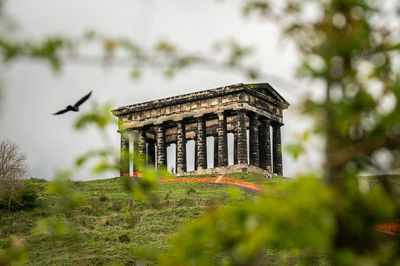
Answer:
x=236 y=128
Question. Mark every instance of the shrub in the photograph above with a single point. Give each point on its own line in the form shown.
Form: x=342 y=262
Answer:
x=102 y=197
x=190 y=191
x=124 y=238
x=28 y=195
x=116 y=205
x=25 y=196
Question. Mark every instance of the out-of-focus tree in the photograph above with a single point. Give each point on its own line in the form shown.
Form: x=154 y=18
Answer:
x=351 y=50
x=12 y=172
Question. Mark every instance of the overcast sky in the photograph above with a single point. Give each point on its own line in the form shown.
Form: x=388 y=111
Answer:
x=32 y=92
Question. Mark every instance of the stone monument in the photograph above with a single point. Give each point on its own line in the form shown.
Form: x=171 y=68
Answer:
x=248 y=111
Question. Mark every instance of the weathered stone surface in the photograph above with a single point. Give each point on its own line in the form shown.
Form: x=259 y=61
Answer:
x=265 y=145
x=135 y=140
x=196 y=156
x=124 y=157
x=277 y=149
x=215 y=152
x=254 y=143
x=214 y=112
x=161 y=146
x=242 y=137
x=181 y=148
x=151 y=152
x=230 y=169
x=222 y=141
x=201 y=144
x=235 y=147
x=141 y=142
x=260 y=98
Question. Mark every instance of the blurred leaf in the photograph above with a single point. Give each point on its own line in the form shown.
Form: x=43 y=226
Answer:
x=294 y=149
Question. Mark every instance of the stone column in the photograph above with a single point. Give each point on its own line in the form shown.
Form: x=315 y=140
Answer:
x=215 y=151
x=195 y=155
x=124 y=154
x=254 y=146
x=265 y=146
x=161 y=147
x=141 y=142
x=235 y=147
x=277 y=149
x=242 y=138
x=222 y=141
x=151 y=152
x=201 y=144
x=181 y=148
x=135 y=148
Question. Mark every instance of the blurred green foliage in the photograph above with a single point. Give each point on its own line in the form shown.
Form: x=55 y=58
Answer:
x=297 y=219
x=14 y=255
x=351 y=49
x=89 y=234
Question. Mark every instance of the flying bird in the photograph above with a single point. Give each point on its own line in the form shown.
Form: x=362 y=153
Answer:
x=75 y=107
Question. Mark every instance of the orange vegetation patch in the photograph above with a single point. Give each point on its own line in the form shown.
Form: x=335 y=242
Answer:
x=213 y=180
x=389 y=228
x=219 y=180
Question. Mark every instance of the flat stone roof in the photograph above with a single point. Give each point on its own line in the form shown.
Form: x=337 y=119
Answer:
x=253 y=89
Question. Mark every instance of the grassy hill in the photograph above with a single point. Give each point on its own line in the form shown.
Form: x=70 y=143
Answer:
x=113 y=229
x=110 y=227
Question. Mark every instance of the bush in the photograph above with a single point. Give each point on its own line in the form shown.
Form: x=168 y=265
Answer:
x=190 y=191
x=102 y=197
x=115 y=205
x=124 y=238
x=26 y=196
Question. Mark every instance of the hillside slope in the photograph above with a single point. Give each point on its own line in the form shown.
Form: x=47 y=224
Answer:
x=112 y=228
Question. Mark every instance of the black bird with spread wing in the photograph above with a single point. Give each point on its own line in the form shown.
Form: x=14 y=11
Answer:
x=75 y=107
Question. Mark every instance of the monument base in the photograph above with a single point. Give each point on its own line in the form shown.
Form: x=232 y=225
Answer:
x=227 y=169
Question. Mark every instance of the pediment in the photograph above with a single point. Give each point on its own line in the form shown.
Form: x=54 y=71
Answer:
x=267 y=90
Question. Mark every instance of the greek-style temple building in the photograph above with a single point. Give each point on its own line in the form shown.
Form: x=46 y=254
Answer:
x=236 y=128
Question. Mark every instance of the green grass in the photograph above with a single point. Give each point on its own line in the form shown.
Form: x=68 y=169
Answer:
x=248 y=177
x=257 y=178
x=112 y=228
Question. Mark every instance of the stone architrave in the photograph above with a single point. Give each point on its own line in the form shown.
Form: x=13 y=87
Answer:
x=277 y=149
x=181 y=148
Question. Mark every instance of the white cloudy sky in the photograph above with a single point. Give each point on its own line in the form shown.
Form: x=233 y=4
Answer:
x=32 y=92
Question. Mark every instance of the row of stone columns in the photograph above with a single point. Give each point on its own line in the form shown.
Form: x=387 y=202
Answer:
x=259 y=138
